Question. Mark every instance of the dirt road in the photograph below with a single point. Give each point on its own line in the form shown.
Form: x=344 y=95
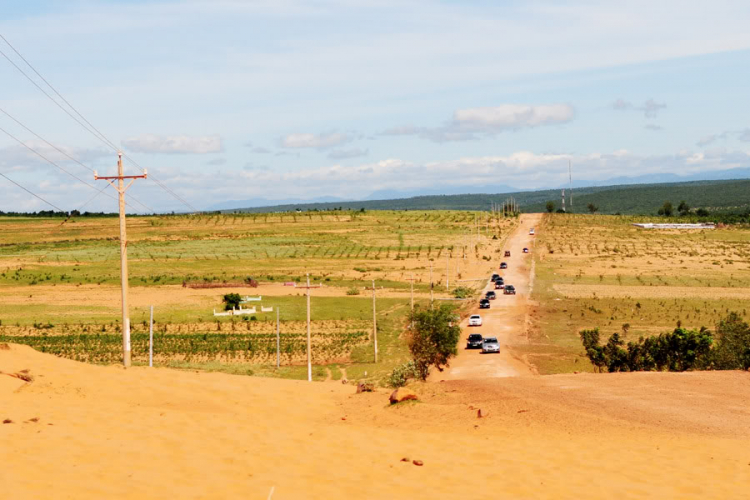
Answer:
x=505 y=319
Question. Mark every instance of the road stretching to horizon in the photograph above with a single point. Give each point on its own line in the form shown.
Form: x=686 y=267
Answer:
x=506 y=318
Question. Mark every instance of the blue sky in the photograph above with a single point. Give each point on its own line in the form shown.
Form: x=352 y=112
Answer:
x=278 y=99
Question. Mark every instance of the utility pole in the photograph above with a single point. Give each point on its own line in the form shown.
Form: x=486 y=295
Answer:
x=431 y=299
x=447 y=272
x=309 y=350
x=570 y=179
x=121 y=188
x=374 y=322
x=151 y=339
x=278 y=340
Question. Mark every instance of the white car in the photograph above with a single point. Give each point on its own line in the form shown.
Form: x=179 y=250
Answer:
x=475 y=320
x=490 y=344
x=531 y=231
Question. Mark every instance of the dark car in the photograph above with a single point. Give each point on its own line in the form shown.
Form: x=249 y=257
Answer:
x=510 y=290
x=499 y=285
x=503 y=265
x=507 y=253
x=525 y=250
x=495 y=277
x=484 y=304
x=474 y=341
x=490 y=295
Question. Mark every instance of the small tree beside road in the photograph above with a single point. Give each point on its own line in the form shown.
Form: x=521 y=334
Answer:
x=592 y=208
x=434 y=338
x=550 y=206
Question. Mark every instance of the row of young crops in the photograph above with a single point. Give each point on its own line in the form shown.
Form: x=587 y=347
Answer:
x=226 y=347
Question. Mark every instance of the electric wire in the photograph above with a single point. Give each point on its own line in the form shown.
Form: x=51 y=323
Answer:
x=93 y=130
x=33 y=194
x=62 y=152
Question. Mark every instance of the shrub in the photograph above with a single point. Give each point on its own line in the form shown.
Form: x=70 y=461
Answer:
x=462 y=292
x=401 y=374
x=353 y=291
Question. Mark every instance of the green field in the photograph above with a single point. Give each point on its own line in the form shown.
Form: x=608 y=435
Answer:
x=59 y=284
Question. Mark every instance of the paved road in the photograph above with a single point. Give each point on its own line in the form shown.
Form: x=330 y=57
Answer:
x=505 y=319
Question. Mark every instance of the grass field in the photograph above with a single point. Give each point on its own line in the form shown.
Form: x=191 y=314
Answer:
x=600 y=271
x=59 y=284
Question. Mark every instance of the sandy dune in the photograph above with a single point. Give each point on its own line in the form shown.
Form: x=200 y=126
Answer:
x=105 y=432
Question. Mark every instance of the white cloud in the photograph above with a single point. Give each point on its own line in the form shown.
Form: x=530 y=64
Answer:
x=468 y=124
x=651 y=126
x=176 y=144
x=261 y=151
x=18 y=157
x=650 y=107
x=744 y=135
x=316 y=141
x=511 y=116
x=340 y=154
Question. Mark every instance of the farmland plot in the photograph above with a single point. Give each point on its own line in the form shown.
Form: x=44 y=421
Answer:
x=600 y=271
x=59 y=284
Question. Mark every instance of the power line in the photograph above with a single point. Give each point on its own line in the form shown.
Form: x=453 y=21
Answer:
x=58 y=166
x=93 y=130
x=34 y=194
x=62 y=152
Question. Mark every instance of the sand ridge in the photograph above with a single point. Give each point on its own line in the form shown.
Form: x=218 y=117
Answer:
x=154 y=433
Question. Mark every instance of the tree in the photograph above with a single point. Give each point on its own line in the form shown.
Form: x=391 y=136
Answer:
x=666 y=209
x=550 y=206
x=732 y=350
x=595 y=352
x=701 y=212
x=434 y=338
x=592 y=208
x=683 y=208
x=231 y=300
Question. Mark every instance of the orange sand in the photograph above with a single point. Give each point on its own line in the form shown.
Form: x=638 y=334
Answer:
x=106 y=432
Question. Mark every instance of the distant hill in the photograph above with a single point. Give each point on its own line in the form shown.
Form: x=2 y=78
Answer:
x=625 y=199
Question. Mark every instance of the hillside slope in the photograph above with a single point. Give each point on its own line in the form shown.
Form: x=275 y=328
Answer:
x=625 y=199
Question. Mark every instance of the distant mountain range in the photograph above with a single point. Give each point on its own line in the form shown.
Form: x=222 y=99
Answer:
x=656 y=186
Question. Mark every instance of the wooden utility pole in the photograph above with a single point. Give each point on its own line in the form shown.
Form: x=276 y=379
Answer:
x=374 y=322
x=431 y=299
x=151 y=339
x=309 y=350
x=121 y=188
x=447 y=272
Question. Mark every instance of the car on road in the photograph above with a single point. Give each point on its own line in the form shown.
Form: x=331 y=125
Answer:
x=484 y=304
x=490 y=344
x=507 y=253
x=509 y=290
x=475 y=320
x=499 y=285
x=503 y=265
x=474 y=341
x=490 y=295
x=531 y=231
x=495 y=277
x=525 y=250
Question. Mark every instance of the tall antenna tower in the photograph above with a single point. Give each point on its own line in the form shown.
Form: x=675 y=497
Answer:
x=570 y=179
x=563 y=200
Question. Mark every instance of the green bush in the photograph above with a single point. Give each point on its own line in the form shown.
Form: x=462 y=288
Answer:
x=353 y=291
x=401 y=374
x=462 y=292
